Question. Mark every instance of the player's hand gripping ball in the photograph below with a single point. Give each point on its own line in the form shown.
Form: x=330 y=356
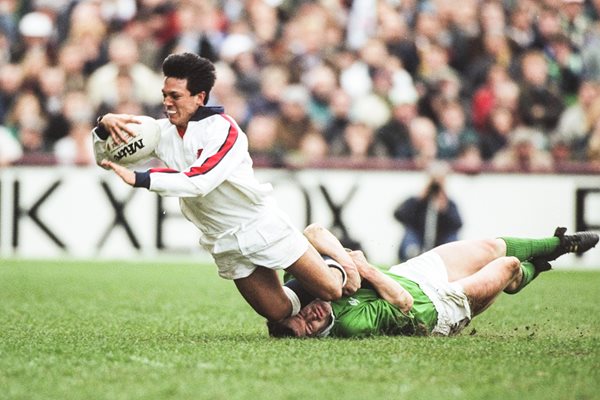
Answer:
x=139 y=147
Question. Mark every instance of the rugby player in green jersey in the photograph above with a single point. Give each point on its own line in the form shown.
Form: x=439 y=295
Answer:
x=436 y=293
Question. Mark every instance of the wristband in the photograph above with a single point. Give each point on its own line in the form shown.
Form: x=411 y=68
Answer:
x=100 y=130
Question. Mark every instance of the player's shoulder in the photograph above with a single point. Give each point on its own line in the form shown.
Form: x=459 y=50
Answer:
x=214 y=124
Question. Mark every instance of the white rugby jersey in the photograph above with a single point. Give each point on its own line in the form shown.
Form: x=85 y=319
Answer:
x=210 y=170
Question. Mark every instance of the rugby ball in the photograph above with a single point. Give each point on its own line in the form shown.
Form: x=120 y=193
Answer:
x=139 y=147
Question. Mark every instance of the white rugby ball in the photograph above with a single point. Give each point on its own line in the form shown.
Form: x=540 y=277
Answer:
x=139 y=147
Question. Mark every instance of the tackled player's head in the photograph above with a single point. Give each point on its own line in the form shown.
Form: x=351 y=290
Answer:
x=314 y=320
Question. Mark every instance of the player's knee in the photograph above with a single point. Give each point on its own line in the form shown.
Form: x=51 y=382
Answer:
x=492 y=246
x=312 y=229
x=513 y=264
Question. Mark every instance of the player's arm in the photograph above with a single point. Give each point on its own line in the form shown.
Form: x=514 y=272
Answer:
x=327 y=244
x=387 y=288
x=114 y=125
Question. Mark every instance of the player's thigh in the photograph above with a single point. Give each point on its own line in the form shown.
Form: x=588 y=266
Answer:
x=466 y=257
x=263 y=291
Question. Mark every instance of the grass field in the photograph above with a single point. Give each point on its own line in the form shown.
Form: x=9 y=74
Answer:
x=97 y=330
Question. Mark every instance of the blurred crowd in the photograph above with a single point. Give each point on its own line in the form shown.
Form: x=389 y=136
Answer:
x=511 y=84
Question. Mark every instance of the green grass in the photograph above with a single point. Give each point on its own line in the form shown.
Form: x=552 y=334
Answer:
x=94 y=330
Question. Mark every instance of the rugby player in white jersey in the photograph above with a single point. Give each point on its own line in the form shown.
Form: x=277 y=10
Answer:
x=209 y=168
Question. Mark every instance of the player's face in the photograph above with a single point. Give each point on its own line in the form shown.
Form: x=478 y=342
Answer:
x=311 y=320
x=179 y=103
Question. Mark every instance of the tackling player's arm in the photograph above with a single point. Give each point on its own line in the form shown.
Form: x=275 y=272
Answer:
x=327 y=244
x=386 y=287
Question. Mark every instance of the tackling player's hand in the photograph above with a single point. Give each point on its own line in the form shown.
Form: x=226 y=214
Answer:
x=362 y=265
x=116 y=126
x=125 y=174
x=352 y=281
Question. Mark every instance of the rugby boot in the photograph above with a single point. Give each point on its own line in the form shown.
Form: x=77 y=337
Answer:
x=541 y=265
x=577 y=243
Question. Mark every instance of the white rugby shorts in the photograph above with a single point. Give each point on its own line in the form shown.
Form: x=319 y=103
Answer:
x=271 y=242
x=449 y=299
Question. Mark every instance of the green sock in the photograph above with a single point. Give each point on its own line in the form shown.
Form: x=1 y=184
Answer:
x=524 y=249
x=528 y=275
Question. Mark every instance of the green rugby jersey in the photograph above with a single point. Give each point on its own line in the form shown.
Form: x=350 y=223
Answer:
x=366 y=314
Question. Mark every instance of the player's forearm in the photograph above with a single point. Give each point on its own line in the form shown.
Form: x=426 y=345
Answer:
x=326 y=243
x=387 y=288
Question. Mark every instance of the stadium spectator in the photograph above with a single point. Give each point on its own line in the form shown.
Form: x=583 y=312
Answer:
x=496 y=52
x=574 y=21
x=464 y=29
x=26 y=119
x=437 y=293
x=293 y=121
x=525 y=152
x=484 y=97
x=52 y=95
x=237 y=50
x=211 y=171
x=37 y=39
x=394 y=134
x=358 y=142
x=262 y=140
x=126 y=72
x=76 y=146
x=592 y=145
x=454 y=135
x=196 y=30
x=423 y=148
x=520 y=31
x=340 y=105
x=588 y=147
x=89 y=32
x=274 y=80
x=10 y=148
x=264 y=22
x=439 y=81
x=540 y=103
x=395 y=32
x=308 y=37
x=8 y=20
x=321 y=81
x=507 y=94
x=498 y=131
x=564 y=66
x=430 y=219
x=356 y=72
x=574 y=121
x=226 y=93
x=313 y=148
x=548 y=25
x=590 y=53
x=11 y=83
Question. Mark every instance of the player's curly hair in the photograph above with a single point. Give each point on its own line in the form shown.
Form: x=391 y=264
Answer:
x=199 y=72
